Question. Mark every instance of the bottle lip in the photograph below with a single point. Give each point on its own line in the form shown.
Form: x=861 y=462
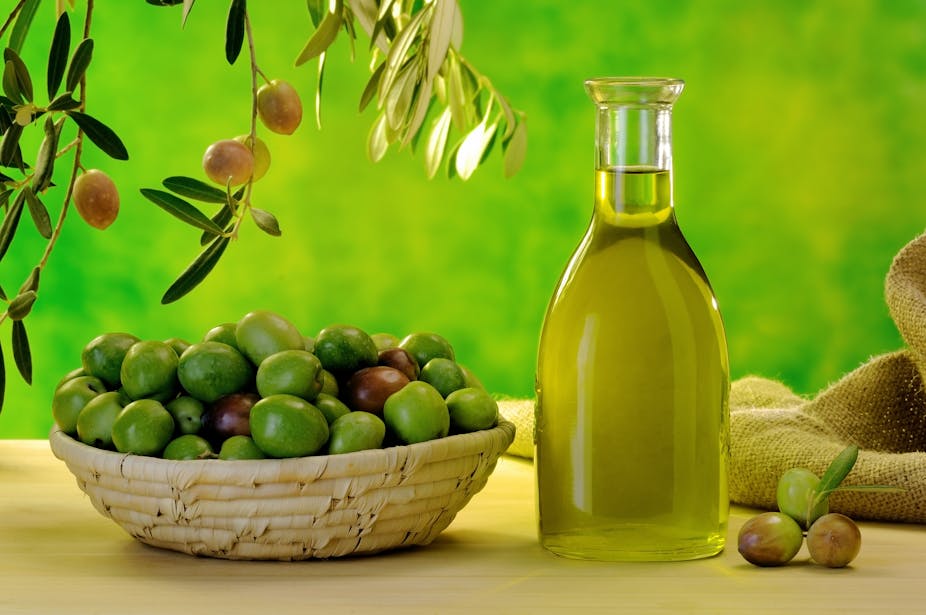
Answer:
x=634 y=90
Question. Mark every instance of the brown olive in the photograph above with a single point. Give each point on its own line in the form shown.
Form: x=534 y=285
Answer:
x=834 y=540
x=228 y=161
x=279 y=107
x=400 y=359
x=229 y=416
x=370 y=387
x=770 y=539
x=96 y=198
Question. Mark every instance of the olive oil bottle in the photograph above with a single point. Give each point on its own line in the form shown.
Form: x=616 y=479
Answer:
x=632 y=415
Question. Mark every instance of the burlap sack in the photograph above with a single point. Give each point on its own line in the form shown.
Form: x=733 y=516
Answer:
x=881 y=407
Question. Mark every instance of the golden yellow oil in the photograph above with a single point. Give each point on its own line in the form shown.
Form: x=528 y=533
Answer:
x=632 y=388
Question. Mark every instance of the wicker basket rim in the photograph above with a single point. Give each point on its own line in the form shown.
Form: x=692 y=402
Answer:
x=488 y=441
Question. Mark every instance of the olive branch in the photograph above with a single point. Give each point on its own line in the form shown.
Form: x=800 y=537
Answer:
x=420 y=83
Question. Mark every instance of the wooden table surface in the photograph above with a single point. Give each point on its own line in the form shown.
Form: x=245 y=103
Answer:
x=59 y=556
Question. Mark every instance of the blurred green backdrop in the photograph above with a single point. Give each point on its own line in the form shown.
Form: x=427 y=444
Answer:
x=799 y=168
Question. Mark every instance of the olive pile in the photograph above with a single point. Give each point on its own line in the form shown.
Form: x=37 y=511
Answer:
x=259 y=388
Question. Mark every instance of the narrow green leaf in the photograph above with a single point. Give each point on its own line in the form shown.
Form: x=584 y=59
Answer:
x=64 y=102
x=437 y=143
x=10 y=223
x=11 y=83
x=456 y=96
x=440 y=34
x=398 y=99
x=421 y=104
x=837 y=471
x=377 y=143
x=101 y=135
x=266 y=222
x=3 y=294
x=32 y=282
x=323 y=37
x=197 y=271
x=21 y=73
x=511 y=120
x=318 y=89
x=194 y=189
x=21 y=305
x=317 y=10
x=472 y=148
x=516 y=150
x=181 y=209
x=22 y=354
x=39 y=213
x=222 y=218
x=395 y=59
x=79 y=63
x=45 y=161
x=369 y=91
x=58 y=56
x=187 y=7
x=5 y=196
x=21 y=27
x=234 y=29
x=9 y=147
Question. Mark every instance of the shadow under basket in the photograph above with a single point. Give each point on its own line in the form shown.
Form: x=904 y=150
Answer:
x=288 y=509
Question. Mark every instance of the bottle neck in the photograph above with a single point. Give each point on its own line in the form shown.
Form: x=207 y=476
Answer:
x=633 y=164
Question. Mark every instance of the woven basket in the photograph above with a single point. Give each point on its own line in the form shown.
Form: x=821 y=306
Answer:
x=288 y=509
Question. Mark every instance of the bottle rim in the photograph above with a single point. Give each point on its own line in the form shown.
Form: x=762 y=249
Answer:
x=634 y=90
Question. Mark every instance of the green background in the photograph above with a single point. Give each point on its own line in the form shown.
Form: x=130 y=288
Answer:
x=799 y=166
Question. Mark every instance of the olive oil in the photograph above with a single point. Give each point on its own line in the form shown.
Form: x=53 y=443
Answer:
x=632 y=387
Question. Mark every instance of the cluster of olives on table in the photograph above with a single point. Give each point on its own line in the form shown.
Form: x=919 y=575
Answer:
x=774 y=538
x=259 y=388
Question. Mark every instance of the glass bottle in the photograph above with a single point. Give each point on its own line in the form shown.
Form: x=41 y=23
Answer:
x=632 y=415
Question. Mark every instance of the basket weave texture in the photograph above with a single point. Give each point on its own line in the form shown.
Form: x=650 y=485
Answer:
x=288 y=509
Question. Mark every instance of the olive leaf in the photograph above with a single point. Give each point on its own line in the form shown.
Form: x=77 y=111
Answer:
x=58 y=56
x=197 y=271
x=473 y=148
x=437 y=143
x=45 y=162
x=221 y=219
x=377 y=143
x=318 y=89
x=39 y=213
x=11 y=83
x=324 y=36
x=20 y=73
x=32 y=282
x=79 y=63
x=22 y=354
x=10 y=154
x=187 y=7
x=440 y=33
x=266 y=221
x=838 y=469
x=234 y=29
x=194 y=189
x=10 y=223
x=101 y=135
x=369 y=91
x=398 y=99
x=180 y=209
x=21 y=27
x=21 y=305
x=63 y=102
x=317 y=10
x=398 y=51
x=516 y=150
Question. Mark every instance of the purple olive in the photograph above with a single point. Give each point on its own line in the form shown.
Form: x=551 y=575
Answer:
x=369 y=388
x=400 y=359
